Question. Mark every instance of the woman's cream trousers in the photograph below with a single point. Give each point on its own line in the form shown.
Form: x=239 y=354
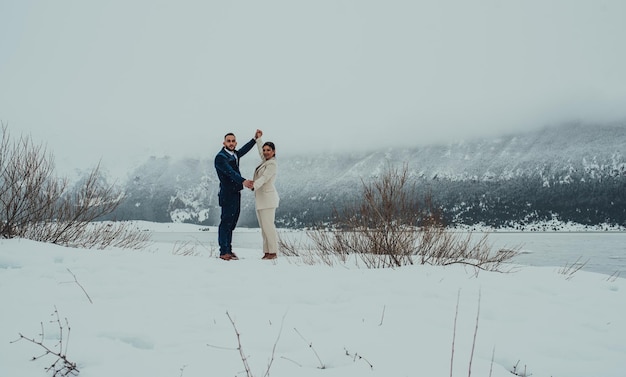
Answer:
x=268 y=229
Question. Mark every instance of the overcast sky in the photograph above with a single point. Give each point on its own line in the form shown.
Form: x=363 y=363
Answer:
x=122 y=80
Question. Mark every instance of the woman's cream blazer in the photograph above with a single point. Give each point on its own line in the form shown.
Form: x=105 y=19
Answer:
x=265 y=193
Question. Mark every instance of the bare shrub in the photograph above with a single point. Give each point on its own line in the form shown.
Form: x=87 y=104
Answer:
x=328 y=246
x=315 y=249
x=190 y=248
x=37 y=205
x=62 y=366
x=392 y=225
x=288 y=246
x=379 y=228
x=440 y=246
x=113 y=234
x=28 y=189
x=613 y=276
x=570 y=269
x=185 y=249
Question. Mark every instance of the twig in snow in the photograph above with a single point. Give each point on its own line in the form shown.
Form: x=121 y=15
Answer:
x=239 y=348
x=469 y=372
x=613 y=276
x=456 y=314
x=519 y=373
x=222 y=348
x=293 y=361
x=241 y=353
x=269 y=365
x=322 y=366
x=81 y=287
x=357 y=356
x=493 y=355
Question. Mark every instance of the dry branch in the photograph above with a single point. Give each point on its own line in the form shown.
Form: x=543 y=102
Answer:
x=81 y=287
x=322 y=366
x=240 y=348
x=62 y=366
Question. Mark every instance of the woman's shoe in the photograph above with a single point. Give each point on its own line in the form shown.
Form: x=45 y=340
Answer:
x=269 y=256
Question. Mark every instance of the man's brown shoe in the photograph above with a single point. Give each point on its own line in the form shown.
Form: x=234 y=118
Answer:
x=270 y=256
x=225 y=256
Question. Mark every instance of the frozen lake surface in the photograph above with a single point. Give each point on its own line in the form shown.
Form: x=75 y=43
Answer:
x=603 y=252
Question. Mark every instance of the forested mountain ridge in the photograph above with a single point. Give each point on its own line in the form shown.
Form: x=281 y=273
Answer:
x=573 y=172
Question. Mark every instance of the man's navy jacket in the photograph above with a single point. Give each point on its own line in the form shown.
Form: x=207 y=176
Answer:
x=227 y=167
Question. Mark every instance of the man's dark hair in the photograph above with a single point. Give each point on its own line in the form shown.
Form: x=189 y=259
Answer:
x=229 y=134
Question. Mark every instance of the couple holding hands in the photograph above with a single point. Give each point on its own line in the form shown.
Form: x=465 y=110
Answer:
x=231 y=184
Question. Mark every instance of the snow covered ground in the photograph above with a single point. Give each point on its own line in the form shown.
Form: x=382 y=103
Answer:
x=166 y=311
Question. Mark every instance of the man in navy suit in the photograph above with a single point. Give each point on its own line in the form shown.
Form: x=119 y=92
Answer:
x=231 y=184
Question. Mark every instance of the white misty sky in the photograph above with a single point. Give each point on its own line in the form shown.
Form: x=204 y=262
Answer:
x=123 y=80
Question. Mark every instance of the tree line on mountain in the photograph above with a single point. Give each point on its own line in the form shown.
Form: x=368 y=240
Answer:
x=527 y=200
x=501 y=203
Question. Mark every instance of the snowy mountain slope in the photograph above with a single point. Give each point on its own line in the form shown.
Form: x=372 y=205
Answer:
x=589 y=159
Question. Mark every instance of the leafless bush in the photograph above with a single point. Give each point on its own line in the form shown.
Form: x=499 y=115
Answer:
x=37 y=205
x=62 y=366
x=114 y=234
x=440 y=246
x=289 y=247
x=190 y=248
x=390 y=226
x=314 y=249
x=380 y=227
x=611 y=278
x=570 y=269
x=185 y=249
x=28 y=188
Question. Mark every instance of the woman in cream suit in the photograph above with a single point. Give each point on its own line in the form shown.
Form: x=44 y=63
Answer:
x=265 y=195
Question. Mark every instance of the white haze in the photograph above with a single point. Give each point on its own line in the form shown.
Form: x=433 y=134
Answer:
x=121 y=81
